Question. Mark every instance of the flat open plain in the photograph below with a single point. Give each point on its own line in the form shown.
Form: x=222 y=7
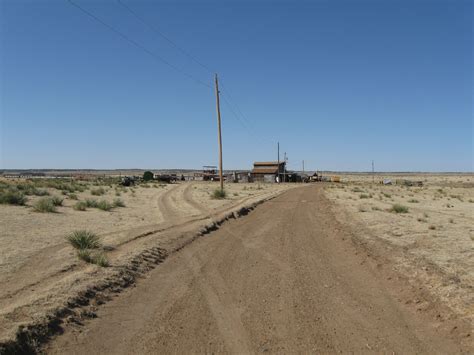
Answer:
x=323 y=267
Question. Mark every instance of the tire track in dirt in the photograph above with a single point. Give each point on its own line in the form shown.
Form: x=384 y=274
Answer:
x=188 y=198
x=223 y=307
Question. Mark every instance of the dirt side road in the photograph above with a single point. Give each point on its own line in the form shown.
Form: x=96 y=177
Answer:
x=286 y=278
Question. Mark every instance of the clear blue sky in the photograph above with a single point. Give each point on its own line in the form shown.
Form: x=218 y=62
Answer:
x=338 y=83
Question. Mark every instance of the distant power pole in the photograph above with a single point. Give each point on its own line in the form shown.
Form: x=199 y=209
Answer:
x=303 y=167
x=278 y=171
x=373 y=172
x=284 y=170
x=219 y=137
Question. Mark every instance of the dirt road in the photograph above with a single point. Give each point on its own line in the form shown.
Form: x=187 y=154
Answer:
x=286 y=278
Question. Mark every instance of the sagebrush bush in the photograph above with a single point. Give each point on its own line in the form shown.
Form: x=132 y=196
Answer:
x=12 y=197
x=83 y=239
x=73 y=196
x=30 y=189
x=98 y=192
x=44 y=204
x=219 y=194
x=80 y=206
x=40 y=192
x=413 y=200
x=60 y=184
x=91 y=203
x=57 y=201
x=362 y=196
x=119 y=203
x=104 y=205
x=399 y=208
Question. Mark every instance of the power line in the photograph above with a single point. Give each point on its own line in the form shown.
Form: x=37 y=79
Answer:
x=138 y=45
x=237 y=116
x=161 y=34
x=229 y=101
x=155 y=56
x=226 y=93
x=257 y=138
x=235 y=105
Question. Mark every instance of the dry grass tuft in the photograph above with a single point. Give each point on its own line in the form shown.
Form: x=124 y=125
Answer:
x=219 y=194
x=399 y=208
x=45 y=205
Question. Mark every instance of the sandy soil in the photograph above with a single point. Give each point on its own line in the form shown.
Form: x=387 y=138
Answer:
x=39 y=270
x=287 y=278
x=436 y=236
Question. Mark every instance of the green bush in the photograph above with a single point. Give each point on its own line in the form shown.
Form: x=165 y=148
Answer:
x=98 y=192
x=362 y=196
x=80 y=206
x=30 y=189
x=59 y=184
x=104 y=205
x=57 y=201
x=93 y=257
x=219 y=194
x=91 y=203
x=83 y=239
x=73 y=196
x=40 y=192
x=399 y=208
x=44 y=204
x=119 y=203
x=413 y=200
x=85 y=254
x=12 y=197
x=101 y=260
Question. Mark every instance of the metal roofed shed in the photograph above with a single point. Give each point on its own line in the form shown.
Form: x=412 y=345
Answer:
x=268 y=171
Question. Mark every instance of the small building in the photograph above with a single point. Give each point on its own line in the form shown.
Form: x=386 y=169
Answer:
x=209 y=173
x=244 y=177
x=268 y=171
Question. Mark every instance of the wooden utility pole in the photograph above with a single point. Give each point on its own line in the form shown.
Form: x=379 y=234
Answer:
x=278 y=171
x=373 y=172
x=303 y=167
x=219 y=136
